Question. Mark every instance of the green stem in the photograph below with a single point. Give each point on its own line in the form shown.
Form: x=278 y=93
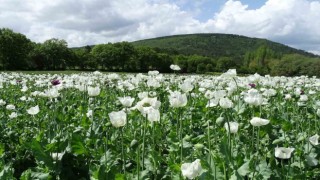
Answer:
x=257 y=155
x=154 y=150
x=143 y=140
x=258 y=140
x=123 y=155
x=229 y=138
x=180 y=134
x=138 y=162
x=224 y=171
x=238 y=103
x=106 y=145
x=209 y=146
x=252 y=141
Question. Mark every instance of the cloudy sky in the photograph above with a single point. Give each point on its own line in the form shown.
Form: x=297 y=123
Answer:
x=86 y=22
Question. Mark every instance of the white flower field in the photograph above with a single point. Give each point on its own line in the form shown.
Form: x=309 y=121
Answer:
x=158 y=126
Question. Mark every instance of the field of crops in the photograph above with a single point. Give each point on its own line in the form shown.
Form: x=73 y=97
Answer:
x=154 y=126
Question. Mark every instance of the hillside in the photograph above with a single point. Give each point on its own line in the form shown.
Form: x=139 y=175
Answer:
x=194 y=53
x=216 y=45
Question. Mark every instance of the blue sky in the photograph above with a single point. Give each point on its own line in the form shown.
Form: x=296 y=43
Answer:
x=86 y=22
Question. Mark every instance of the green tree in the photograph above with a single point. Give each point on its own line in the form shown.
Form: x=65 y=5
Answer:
x=14 y=50
x=106 y=55
x=83 y=58
x=37 y=58
x=56 y=53
x=201 y=68
x=225 y=63
x=125 y=51
x=182 y=61
x=209 y=68
x=146 y=58
x=164 y=62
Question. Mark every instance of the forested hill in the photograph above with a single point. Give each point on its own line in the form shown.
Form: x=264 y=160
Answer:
x=194 y=53
x=216 y=45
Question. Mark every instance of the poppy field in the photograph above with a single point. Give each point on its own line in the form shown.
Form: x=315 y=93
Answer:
x=103 y=126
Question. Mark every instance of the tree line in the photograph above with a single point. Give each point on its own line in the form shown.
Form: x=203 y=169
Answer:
x=17 y=52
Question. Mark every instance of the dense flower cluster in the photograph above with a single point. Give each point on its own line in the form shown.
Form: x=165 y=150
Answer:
x=159 y=126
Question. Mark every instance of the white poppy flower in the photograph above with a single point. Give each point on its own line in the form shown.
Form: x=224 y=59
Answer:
x=283 y=153
x=33 y=110
x=23 y=98
x=89 y=113
x=10 y=107
x=253 y=97
x=13 y=115
x=93 y=91
x=153 y=83
x=186 y=86
x=146 y=103
x=126 y=101
x=118 y=119
x=314 y=139
x=225 y=103
x=176 y=99
x=153 y=73
x=175 y=67
x=256 y=121
x=303 y=98
x=230 y=73
x=191 y=170
x=212 y=103
x=153 y=115
x=142 y=95
x=2 y=102
x=24 y=89
x=233 y=127
x=52 y=93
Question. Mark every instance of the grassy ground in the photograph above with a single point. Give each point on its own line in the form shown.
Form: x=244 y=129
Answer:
x=49 y=72
x=76 y=72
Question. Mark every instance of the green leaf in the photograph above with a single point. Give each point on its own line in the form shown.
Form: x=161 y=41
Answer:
x=213 y=165
x=107 y=159
x=119 y=177
x=26 y=175
x=186 y=144
x=41 y=155
x=264 y=170
x=225 y=150
x=102 y=175
x=78 y=146
x=234 y=176
x=40 y=176
x=244 y=169
x=7 y=173
x=175 y=167
x=286 y=126
x=278 y=141
x=1 y=149
x=148 y=164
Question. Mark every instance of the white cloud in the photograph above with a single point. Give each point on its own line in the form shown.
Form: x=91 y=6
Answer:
x=293 y=22
x=82 y=22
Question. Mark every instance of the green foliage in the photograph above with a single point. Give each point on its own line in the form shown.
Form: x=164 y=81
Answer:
x=14 y=49
x=295 y=64
x=201 y=68
x=248 y=55
x=83 y=59
x=53 y=54
x=65 y=141
x=194 y=53
x=216 y=45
